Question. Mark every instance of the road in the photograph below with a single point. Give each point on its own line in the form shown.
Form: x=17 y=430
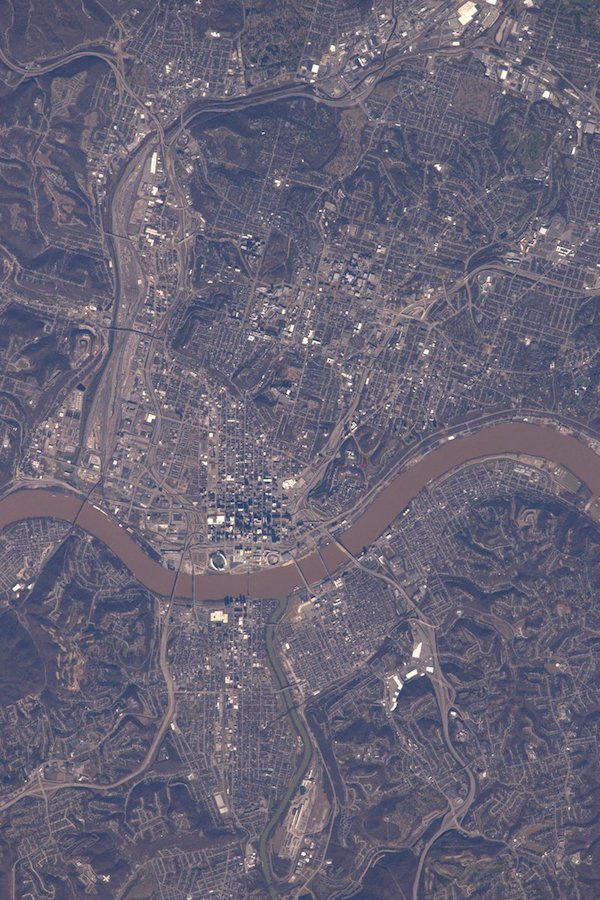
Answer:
x=299 y=727
x=444 y=696
x=102 y=402
x=394 y=496
x=101 y=415
x=540 y=441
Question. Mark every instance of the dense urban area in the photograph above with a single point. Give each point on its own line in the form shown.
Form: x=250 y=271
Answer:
x=299 y=449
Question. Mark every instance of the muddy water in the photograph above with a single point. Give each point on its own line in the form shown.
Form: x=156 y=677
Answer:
x=519 y=437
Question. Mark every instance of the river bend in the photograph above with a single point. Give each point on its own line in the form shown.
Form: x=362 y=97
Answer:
x=539 y=441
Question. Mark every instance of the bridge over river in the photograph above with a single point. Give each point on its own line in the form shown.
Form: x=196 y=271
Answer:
x=540 y=441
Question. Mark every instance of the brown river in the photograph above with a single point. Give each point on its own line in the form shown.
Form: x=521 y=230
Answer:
x=539 y=441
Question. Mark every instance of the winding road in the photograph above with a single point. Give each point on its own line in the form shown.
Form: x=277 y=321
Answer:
x=101 y=415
